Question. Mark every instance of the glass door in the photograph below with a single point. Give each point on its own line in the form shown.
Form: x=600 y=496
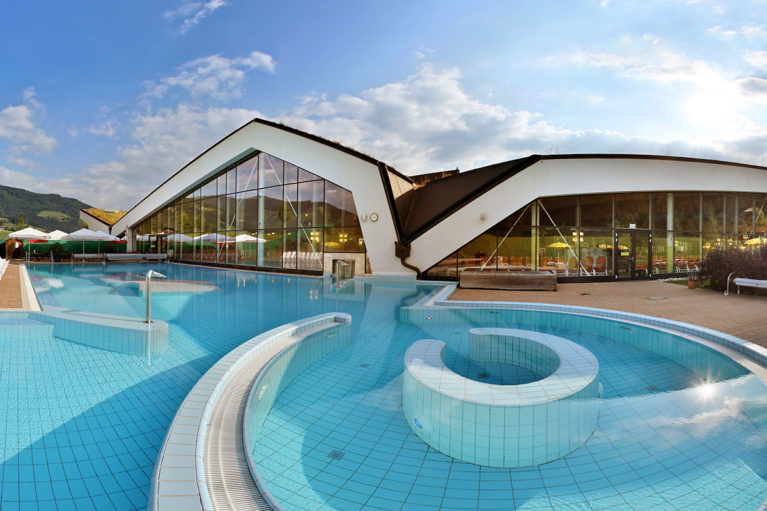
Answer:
x=633 y=249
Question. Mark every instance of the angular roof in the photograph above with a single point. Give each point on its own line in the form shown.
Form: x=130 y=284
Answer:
x=432 y=202
x=435 y=196
x=105 y=215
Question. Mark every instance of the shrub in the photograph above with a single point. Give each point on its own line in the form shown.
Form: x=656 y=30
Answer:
x=59 y=252
x=719 y=263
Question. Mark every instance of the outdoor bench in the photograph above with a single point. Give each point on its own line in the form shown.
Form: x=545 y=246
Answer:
x=740 y=281
x=517 y=281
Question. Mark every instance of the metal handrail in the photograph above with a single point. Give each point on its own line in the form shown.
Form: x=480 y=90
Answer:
x=727 y=292
x=149 y=275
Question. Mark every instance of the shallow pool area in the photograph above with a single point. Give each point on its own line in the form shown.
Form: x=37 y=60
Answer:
x=680 y=425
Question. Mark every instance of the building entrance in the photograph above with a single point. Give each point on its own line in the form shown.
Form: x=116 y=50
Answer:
x=633 y=252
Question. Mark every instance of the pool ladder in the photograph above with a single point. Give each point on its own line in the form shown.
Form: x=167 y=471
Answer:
x=148 y=292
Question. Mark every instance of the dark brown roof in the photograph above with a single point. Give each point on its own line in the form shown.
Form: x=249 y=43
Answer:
x=431 y=203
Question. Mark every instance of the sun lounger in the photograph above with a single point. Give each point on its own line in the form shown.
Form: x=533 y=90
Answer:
x=136 y=257
x=88 y=257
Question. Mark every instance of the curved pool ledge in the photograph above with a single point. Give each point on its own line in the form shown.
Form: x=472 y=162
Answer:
x=437 y=308
x=503 y=425
x=204 y=462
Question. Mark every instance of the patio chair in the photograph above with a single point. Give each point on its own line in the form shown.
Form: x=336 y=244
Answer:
x=600 y=268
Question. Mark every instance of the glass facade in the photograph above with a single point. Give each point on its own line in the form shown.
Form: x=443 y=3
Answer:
x=621 y=235
x=263 y=212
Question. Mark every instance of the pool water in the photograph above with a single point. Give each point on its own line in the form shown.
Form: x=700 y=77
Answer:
x=668 y=437
x=83 y=426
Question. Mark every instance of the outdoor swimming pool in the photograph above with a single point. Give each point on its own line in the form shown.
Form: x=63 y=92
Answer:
x=83 y=425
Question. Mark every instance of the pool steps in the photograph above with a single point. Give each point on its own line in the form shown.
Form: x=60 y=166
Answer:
x=113 y=333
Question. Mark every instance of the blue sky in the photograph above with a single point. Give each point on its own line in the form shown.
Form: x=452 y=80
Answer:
x=104 y=100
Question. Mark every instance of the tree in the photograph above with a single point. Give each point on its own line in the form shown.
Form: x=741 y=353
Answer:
x=21 y=223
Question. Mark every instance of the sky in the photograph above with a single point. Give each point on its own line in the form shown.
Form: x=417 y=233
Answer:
x=103 y=101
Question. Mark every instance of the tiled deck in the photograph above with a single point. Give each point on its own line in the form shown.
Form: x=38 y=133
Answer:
x=10 y=288
x=743 y=316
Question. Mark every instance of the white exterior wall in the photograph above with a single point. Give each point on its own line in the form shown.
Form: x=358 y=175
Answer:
x=94 y=224
x=360 y=177
x=575 y=177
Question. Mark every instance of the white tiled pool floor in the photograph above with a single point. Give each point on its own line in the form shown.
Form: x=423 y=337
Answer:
x=661 y=442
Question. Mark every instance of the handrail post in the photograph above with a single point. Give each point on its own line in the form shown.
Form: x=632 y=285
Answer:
x=727 y=292
x=148 y=291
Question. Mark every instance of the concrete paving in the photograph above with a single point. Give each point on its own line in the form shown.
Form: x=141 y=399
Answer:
x=743 y=316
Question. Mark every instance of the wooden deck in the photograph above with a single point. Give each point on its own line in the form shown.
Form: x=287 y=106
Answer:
x=10 y=288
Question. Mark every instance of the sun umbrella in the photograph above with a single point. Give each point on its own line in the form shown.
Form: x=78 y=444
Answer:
x=754 y=241
x=86 y=235
x=179 y=237
x=558 y=244
x=215 y=238
x=244 y=238
x=56 y=235
x=29 y=233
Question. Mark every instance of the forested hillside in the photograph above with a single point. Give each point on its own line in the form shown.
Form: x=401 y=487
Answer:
x=45 y=211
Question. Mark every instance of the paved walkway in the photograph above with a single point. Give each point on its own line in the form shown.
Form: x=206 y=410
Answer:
x=10 y=288
x=743 y=316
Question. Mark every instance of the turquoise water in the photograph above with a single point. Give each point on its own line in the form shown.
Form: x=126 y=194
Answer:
x=686 y=432
x=83 y=426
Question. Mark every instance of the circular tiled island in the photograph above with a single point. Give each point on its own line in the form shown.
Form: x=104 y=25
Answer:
x=503 y=425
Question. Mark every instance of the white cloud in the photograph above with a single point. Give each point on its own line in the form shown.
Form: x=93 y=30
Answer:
x=753 y=31
x=720 y=32
x=757 y=59
x=753 y=85
x=19 y=125
x=191 y=13
x=164 y=141
x=214 y=76
x=425 y=122
x=653 y=61
x=105 y=129
x=429 y=122
x=19 y=179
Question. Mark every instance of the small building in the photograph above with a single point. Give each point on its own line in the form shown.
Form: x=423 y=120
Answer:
x=100 y=219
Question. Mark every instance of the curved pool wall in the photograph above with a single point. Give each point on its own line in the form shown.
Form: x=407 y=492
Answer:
x=503 y=425
x=179 y=478
x=277 y=374
x=657 y=335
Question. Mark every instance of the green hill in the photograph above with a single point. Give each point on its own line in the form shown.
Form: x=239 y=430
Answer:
x=44 y=211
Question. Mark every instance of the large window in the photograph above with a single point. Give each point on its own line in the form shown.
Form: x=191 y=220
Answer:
x=574 y=236
x=262 y=212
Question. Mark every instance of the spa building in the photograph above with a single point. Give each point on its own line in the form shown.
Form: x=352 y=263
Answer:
x=271 y=197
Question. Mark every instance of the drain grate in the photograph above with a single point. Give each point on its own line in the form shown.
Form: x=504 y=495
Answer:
x=652 y=388
x=656 y=297
x=336 y=454
x=364 y=365
x=483 y=376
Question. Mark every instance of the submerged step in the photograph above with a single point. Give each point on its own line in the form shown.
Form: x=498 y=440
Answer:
x=19 y=327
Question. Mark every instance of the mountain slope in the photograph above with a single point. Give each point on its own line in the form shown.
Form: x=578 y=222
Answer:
x=46 y=211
